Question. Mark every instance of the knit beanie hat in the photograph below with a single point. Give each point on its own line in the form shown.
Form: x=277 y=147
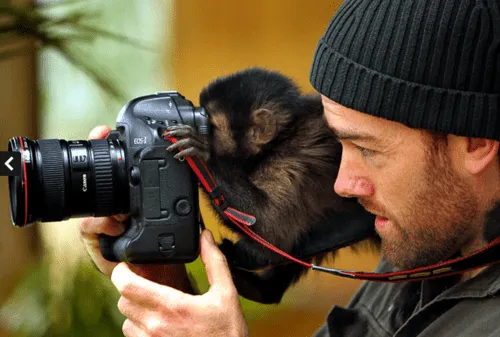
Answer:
x=429 y=64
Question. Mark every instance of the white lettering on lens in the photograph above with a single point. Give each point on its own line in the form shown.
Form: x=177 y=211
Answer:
x=84 y=179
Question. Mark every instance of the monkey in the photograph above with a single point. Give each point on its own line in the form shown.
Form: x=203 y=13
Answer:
x=273 y=155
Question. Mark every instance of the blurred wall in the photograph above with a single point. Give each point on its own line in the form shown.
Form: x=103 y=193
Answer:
x=217 y=37
x=71 y=103
x=17 y=117
x=18 y=246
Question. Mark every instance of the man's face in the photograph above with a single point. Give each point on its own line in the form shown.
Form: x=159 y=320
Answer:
x=423 y=207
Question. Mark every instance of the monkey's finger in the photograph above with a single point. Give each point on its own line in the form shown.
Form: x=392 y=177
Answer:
x=175 y=146
x=180 y=127
x=192 y=152
x=186 y=143
x=190 y=142
x=187 y=133
x=181 y=133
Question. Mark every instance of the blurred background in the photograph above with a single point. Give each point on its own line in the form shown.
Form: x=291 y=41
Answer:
x=67 y=66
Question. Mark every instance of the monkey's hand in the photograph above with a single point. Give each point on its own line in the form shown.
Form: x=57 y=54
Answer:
x=227 y=248
x=245 y=255
x=192 y=143
x=267 y=287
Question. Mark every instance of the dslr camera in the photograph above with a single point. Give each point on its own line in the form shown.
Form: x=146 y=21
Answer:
x=129 y=172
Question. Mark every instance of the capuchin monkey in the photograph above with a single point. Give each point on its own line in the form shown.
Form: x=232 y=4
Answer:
x=274 y=157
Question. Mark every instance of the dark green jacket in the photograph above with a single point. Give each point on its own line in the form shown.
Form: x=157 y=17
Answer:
x=436 y=308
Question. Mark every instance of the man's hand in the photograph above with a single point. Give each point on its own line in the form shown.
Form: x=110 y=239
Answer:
x=156 y=310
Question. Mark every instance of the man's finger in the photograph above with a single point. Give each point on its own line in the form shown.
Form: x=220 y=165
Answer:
x=141 y=290
x=99 y=132
x=89 y=227
x=137 y=313
x=215 y=262
x=132 y=329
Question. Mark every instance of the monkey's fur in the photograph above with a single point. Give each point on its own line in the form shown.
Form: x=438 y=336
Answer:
x=274 y=157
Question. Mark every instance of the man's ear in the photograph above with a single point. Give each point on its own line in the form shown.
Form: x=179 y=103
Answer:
x=479 y=153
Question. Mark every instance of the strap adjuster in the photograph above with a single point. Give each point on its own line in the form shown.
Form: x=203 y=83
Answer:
x=216 y=192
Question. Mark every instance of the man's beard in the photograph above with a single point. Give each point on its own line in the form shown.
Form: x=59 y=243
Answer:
x=437 y=221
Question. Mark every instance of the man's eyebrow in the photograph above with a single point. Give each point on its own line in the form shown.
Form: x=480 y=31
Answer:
x=350 y=134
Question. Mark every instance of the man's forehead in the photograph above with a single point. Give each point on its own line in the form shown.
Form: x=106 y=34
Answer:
x=351 y=124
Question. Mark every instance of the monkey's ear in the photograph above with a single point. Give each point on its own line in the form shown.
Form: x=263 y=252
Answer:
x=264 y=127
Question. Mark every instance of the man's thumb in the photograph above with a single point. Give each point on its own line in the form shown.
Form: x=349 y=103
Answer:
x=215 y=262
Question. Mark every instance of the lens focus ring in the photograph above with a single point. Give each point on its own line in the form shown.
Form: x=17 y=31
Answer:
x=103 y=176
x=53 y=179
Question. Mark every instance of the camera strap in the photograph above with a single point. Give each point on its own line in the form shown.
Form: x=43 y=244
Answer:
x=213 y=189
x=482 y=257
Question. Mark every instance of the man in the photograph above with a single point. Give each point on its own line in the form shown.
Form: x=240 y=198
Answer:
x=411 y=89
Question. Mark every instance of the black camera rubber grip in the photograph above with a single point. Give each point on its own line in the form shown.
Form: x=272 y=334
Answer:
x=106 y=244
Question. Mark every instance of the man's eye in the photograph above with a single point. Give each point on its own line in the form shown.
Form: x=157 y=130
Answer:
x=365 y=152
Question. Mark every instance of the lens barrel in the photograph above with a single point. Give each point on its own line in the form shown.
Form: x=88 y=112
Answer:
x=63 y=179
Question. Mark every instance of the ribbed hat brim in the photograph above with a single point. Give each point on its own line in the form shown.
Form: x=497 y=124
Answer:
x=357 y=87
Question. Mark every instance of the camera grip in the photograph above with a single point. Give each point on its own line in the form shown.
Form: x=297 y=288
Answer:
x=106 y=244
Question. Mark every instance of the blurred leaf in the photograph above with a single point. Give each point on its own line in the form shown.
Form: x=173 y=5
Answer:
x=62 y=33
x=97 y=75
x=113 y=36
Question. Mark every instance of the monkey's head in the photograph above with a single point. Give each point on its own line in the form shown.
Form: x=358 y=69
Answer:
x=249 y=110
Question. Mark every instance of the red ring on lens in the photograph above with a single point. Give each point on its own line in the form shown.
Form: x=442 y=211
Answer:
x=25 y=183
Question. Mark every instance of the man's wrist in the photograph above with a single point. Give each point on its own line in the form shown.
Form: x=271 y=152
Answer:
x=172 y=275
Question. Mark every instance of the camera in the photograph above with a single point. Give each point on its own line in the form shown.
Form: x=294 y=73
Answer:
x=129 y=172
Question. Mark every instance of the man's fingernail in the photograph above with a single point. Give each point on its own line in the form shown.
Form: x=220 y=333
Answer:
x=93 y=134
x=209 y=236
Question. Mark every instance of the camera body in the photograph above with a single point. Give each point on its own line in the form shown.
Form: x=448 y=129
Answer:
x=129 y=172
x=163 y=191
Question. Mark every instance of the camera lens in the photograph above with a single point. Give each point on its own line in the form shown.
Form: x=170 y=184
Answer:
x=63 y=179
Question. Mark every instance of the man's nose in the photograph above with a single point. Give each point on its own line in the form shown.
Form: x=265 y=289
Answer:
x=351 y=185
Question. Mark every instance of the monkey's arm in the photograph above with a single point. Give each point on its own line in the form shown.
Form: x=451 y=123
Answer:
x=268 y=287
x=337 y=230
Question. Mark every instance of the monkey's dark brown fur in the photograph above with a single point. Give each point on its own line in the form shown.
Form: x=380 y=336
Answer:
x=275 y=158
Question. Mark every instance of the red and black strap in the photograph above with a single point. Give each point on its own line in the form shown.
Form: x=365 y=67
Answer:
x=213 y=189
x=240 y=219
x=482 y=257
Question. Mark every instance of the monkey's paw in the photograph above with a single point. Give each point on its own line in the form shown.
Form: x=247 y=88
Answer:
x=192 y=144
x=227 y=248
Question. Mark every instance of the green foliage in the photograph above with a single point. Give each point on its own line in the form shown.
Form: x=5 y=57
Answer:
x=83 y=305
x=73 y=47
x=62 y=33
